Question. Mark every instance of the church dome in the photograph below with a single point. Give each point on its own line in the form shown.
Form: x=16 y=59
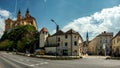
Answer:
x=44 y=30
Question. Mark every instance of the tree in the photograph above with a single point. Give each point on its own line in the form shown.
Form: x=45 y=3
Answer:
x=6 y=45
x=23 y=37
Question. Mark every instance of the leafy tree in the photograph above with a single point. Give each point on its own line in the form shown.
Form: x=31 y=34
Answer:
x=6 y=45
x=23 y=38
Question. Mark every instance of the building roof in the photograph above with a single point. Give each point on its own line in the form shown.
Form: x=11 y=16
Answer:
x=71 y=31
x=60 y=32
x=44 y=30
x=118 y=34
x=105 y=34
x=8 y=20
x=85 y=43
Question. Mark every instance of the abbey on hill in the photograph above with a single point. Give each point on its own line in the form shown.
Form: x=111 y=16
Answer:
x=27 y=20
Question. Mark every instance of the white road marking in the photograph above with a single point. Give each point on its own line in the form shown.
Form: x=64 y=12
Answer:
x=30 y=64
x=10 y=62
x=41 y=63
x=45 y=62
x=36 y=64
x=19 y=62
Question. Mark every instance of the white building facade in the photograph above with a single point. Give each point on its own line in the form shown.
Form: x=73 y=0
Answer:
x=64 y=44
x=42 y=38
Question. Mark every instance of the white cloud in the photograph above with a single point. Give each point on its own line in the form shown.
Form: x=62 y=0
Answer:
x=106 y=20
x=3 y=15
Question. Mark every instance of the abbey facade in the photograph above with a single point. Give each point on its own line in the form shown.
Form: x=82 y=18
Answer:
x=20 y=21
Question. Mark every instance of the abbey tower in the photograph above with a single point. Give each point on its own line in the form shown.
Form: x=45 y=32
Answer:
x=27 y=20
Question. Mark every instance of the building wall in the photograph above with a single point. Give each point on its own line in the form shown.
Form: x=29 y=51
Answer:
x=50 y=50
x=9 y=23
x=42 y=39
x=66 y=44
x=92 y=47
x=116 y=45
x=104 y=40
x=96 y=45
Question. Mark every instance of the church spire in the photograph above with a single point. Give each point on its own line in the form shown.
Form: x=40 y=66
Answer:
x=27 y=10
x=19 y=12
x=19 y=16
x=27 y=13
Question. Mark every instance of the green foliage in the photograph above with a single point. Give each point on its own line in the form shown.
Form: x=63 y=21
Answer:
x=23 y=37
x=6 y=44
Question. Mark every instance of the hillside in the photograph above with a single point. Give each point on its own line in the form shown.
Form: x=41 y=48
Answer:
x=21 y=39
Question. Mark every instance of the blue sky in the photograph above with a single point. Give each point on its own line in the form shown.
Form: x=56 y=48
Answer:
x=67 y=13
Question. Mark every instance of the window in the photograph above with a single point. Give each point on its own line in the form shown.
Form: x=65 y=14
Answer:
x=106 y=41
x=100 y=41
x=59 y=39
x=75 y=43
x=31 y=22
x=66 y=36
x=58 y=44
x=117 y=40
x=114 y=41
x=74 y=36
x=75 y=52
x=66 y=43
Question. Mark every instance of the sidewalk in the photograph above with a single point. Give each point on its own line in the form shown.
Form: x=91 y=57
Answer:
x=58 y=57
x=95 y=57
x=49 y=56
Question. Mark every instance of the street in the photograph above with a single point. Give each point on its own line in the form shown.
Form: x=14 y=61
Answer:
x=17 y=61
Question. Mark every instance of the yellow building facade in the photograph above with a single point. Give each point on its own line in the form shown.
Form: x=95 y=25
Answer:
x=116 y=44
x=101 y=44
x=20 y=21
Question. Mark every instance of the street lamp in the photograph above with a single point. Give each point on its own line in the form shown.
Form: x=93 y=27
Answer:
x=57 y=29
x=57 y=26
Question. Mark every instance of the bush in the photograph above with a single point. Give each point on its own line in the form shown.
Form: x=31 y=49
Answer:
x=23 y=37
x=6 y=45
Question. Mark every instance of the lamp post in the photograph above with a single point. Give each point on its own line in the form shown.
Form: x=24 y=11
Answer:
x=57 y=26
x=57 y=29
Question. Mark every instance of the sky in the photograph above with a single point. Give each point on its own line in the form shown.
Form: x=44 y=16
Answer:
x=94 y=16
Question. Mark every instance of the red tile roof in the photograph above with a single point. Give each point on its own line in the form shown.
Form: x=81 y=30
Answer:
x=44 y=30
